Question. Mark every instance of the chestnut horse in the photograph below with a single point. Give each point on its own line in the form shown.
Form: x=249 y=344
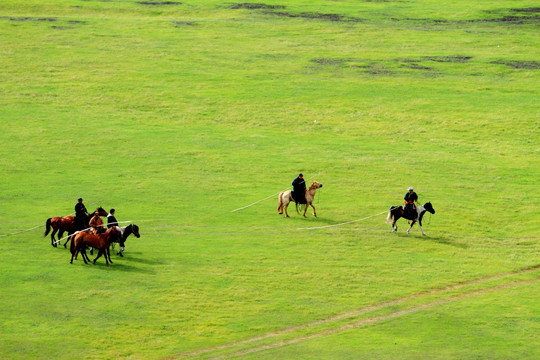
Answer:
x=397 y=212
x=66 y=223
x=285 y=197
x=97 y=241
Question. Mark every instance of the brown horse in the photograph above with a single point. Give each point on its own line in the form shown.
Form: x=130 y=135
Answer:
x=285 y=197
x=97 y=241
x=66 y=223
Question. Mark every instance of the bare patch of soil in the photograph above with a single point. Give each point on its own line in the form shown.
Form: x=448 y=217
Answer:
x=527 y=10
x=449 y=59
x=178 y=23
x=28 y=18
x=255 y=6
x=317 y=16
x=159 y=3
x=327 y=61
x=528 y=65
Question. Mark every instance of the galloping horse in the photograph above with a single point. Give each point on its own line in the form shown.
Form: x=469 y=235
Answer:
x=98 y=241
x=285 y=197
x=66 y=223
x=397 y=212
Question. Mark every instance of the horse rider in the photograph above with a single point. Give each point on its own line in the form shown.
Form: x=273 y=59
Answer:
x=96 y=224
x=111 y=220
x=410 y=199
x=299 y=189
x=80 y=215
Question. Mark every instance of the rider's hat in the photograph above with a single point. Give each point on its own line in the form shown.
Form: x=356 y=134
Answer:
x=80 y=199
x=410 y=188
x=301 y=175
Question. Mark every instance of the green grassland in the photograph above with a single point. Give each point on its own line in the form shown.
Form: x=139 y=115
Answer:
x=178 y=113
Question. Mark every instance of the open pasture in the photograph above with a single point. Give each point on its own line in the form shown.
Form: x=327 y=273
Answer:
x=175 y=113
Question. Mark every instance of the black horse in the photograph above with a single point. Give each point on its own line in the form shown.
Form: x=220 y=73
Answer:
x=126 y=231
x=397 y=212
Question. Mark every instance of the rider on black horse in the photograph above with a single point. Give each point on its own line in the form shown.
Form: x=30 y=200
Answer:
x=80 y=215
x=410 y=199
x=299 y=190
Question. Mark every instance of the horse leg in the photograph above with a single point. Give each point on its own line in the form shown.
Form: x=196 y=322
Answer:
x=100 y=252
x=314 y=211
x=53 y=243
x=69 y=237
x=285 y=206
x=280 y=205
x=421 y=229
x=109 y=253
x=409 y=229
x=82 y=250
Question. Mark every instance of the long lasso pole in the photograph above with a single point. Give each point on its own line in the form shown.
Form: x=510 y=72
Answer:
x=37 y=227
x=104 y=225
x=348 y=222
x=266 y=198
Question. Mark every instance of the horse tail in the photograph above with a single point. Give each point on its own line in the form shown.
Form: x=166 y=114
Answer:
x=390 y=216
x=280 y=204
x=72 y=245
x=47 y=227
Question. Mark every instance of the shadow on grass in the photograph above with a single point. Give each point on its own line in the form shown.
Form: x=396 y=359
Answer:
x=437 y=239
x=116 y=266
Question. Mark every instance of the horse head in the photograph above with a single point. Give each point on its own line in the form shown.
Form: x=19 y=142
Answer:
x=429 y=207
x=315 y=185
x=135 y=230
x=101 y=212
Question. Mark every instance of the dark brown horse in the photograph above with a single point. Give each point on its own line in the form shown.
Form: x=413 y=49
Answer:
x=101 y=242
x=66 y=223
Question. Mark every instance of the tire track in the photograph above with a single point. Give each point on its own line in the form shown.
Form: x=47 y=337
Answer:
x=353 y=313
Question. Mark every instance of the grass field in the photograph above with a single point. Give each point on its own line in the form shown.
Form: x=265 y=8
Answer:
x=177 y=113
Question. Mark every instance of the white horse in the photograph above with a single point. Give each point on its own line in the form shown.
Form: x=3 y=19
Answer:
x=397 y=212
x=285 y=197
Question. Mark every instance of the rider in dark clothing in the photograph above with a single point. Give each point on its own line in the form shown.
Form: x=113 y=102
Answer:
x=410 y=199
x=111 y=220
x=81 y=215
x=299 y=190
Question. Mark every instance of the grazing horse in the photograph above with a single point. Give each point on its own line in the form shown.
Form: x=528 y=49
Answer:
x=397 y=212
x=285 y=197
x=126 y=231
x=98 y=241
x=66 y=223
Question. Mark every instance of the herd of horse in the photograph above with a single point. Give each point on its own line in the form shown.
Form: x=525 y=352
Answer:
x=81 y=240
x=394 y=214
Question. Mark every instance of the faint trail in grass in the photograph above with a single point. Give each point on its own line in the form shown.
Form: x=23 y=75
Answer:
x=375 y=319
x=359 y=312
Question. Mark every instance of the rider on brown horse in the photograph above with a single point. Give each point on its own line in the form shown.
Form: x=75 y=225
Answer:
x=96 y=224
x=410 y=199
x=80 y=215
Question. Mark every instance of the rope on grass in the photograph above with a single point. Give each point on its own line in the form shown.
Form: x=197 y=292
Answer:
x=348 y=222
x=266 y=198
x=20 y=232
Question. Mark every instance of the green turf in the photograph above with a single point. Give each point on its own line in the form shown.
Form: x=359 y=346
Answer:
x=177 y=114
